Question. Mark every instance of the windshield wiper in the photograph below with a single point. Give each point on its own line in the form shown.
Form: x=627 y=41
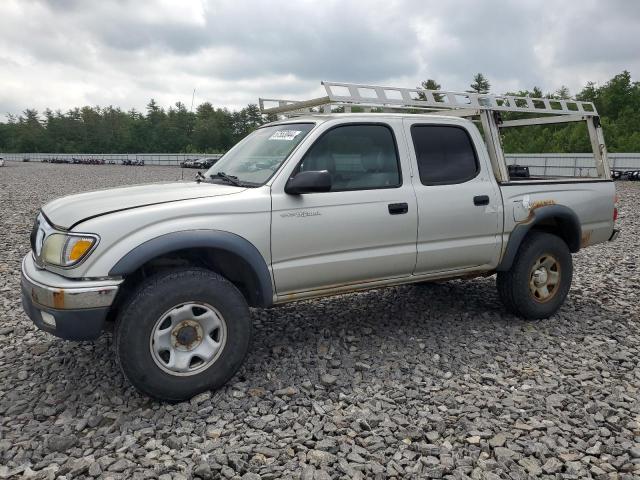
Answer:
x=232 y=179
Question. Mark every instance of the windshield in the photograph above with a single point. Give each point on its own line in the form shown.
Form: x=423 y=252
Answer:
x=260 y=154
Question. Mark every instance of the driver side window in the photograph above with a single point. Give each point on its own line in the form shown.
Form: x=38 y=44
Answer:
x=358 y=157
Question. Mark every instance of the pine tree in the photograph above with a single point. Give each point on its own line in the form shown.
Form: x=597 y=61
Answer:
x=430 y=84
x=480 y=84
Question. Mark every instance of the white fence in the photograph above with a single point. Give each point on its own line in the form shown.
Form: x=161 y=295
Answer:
x=572 y=164
x=118 y=158
x=561 y=164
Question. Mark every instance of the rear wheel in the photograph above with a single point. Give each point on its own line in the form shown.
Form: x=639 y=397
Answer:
x=181 y=333
x=539 y=279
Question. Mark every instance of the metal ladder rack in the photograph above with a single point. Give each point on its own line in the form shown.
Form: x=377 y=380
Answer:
x=395 y=98
x=486 y=107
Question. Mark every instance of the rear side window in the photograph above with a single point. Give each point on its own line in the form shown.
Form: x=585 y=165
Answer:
x=359 y=157
x=445 y=154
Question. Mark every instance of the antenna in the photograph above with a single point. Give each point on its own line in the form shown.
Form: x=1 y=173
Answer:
x=192 y=97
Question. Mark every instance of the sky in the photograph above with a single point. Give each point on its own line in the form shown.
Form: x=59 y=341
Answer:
x=61 y=54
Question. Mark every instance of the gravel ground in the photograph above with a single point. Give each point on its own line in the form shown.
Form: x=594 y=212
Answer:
x=416 y=381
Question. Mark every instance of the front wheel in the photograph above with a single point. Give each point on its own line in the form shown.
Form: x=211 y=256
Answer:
x=181 y=333
x=539 y=279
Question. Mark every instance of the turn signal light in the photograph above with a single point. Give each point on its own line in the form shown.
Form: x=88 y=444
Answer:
x=79 y=248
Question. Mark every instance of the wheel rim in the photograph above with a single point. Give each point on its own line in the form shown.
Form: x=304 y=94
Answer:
x=544 y=278
x=188 y=338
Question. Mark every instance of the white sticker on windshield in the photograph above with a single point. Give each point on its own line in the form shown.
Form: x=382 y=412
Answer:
x=285 y=135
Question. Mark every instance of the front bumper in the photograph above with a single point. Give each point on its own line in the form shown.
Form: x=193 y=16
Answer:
x=66 y=308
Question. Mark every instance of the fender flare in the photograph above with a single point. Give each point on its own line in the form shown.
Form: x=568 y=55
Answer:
x=217 y=239
x=571 y=233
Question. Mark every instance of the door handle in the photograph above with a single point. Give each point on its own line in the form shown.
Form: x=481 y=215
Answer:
x=398 y=208
x=481 y=200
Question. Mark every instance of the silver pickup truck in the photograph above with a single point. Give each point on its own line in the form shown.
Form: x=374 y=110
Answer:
x=316 y=203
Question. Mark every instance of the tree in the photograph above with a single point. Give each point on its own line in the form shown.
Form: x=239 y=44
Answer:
x=588 y=93
x=212 y=131
x=562 y=93
x=180 y=124
x=30 y=132
x=246 y=121
x=430 y=84
x=480 y=84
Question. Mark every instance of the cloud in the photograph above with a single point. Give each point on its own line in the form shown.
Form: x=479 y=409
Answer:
x=66 y=53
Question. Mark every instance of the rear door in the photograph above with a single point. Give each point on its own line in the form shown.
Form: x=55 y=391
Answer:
x=364 y=229
x=459 y=203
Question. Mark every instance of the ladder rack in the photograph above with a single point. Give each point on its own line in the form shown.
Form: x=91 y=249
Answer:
x=461 y=104
x=348 y=95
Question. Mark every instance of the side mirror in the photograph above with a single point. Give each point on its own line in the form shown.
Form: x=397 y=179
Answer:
x=309 y=182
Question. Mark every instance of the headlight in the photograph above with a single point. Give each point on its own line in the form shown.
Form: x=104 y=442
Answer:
x=66 y=250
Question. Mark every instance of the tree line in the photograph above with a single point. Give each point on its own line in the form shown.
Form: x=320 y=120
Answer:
x=212 y=130
x=617 y=102
x=112 y=130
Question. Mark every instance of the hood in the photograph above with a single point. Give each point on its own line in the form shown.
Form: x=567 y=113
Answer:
x=68 y=211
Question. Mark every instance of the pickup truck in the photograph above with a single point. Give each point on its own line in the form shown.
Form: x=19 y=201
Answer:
x=310 y=205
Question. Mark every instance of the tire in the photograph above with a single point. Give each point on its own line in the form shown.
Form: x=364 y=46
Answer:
x=541 y=259
x=166 y=334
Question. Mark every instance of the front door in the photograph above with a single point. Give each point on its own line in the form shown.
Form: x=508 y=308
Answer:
x=459 y=204
x=363 y=230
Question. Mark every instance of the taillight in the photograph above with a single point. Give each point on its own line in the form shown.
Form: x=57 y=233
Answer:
x=615 y=208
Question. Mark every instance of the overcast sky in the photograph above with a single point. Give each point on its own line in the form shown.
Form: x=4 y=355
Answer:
x=66 y=53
